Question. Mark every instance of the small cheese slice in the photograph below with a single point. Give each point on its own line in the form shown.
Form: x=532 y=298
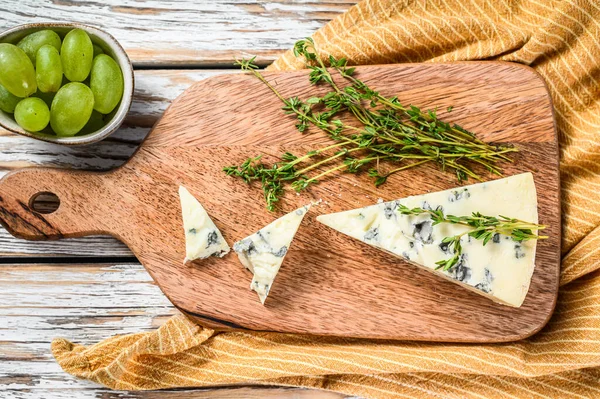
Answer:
x=501 y=270
x=263 y=252
x=202 y=237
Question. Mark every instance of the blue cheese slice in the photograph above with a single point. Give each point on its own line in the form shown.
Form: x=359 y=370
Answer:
x=501 y=270
x=263 y=252
x=202 y=237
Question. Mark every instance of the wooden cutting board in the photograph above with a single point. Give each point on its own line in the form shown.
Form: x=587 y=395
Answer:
x=329 y=284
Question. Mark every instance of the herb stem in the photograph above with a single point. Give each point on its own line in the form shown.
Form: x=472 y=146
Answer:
x=312 y=154
x=389 y=131
x=411 y=165
x=481 y=228
x=342 y=166
x=331 y=158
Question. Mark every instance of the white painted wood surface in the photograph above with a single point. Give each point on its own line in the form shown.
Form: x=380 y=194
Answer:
x=87 y=302
x=187 y=32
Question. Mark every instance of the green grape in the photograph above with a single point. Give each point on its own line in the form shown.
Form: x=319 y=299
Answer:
x=106 y=82
x=30 y=44
x=8 y=101
x=76 y=55
x=71 y=109
x=95 y=123
x=48 y=69
x=97 y=50
x=47 y=97
x=32 y=114
x=109 y=117
x=16 y=71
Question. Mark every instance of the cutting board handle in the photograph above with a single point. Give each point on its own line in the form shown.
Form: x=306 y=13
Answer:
x=75 y=215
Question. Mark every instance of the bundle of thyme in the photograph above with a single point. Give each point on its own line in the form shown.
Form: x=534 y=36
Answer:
x=482 y=228
x=390 y=131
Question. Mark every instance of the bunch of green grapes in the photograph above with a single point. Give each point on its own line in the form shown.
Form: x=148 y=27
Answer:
x=63 y=87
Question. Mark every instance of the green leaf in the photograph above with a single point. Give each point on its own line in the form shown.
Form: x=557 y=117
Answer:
x=487 y=237
x=380 y=180
x=288 y=157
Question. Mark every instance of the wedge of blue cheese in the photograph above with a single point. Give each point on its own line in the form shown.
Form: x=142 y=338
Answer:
x=501 y=270
x=202 y=237
x=264 y=251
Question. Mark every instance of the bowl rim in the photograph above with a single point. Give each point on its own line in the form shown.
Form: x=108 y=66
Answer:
x=128 y=84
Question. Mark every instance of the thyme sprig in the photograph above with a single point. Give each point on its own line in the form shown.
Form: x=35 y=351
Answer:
x=387 y=131
x=482 y=228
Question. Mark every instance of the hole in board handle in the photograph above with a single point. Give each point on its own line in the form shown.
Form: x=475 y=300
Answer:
x=44 y=202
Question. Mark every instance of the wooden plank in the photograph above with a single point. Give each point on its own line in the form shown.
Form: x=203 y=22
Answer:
x=187 y=32
x=87 y=246
x=85 y=303
x=154 y=91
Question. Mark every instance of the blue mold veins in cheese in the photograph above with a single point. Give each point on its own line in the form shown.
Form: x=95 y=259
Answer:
x=263 y=252
x=500 y=270
x=202 y=237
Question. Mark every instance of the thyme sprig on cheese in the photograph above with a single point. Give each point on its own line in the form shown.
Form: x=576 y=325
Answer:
x=483 y=228
x=387 y=131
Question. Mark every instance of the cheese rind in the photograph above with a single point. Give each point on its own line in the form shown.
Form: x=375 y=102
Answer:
x=501 y=270
x=202 y=237
x=264 y=251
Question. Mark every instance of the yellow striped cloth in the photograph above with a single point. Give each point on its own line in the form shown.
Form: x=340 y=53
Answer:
x=561 y=40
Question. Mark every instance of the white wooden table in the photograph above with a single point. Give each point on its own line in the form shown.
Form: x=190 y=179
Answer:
x=89 y=289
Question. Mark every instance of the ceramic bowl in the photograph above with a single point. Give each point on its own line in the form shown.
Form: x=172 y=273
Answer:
x=111 y=47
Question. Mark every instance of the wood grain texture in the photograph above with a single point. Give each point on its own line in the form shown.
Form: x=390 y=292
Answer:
x=86 y=303
x=94 y=246
x=316 y=290
x=187 y=32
